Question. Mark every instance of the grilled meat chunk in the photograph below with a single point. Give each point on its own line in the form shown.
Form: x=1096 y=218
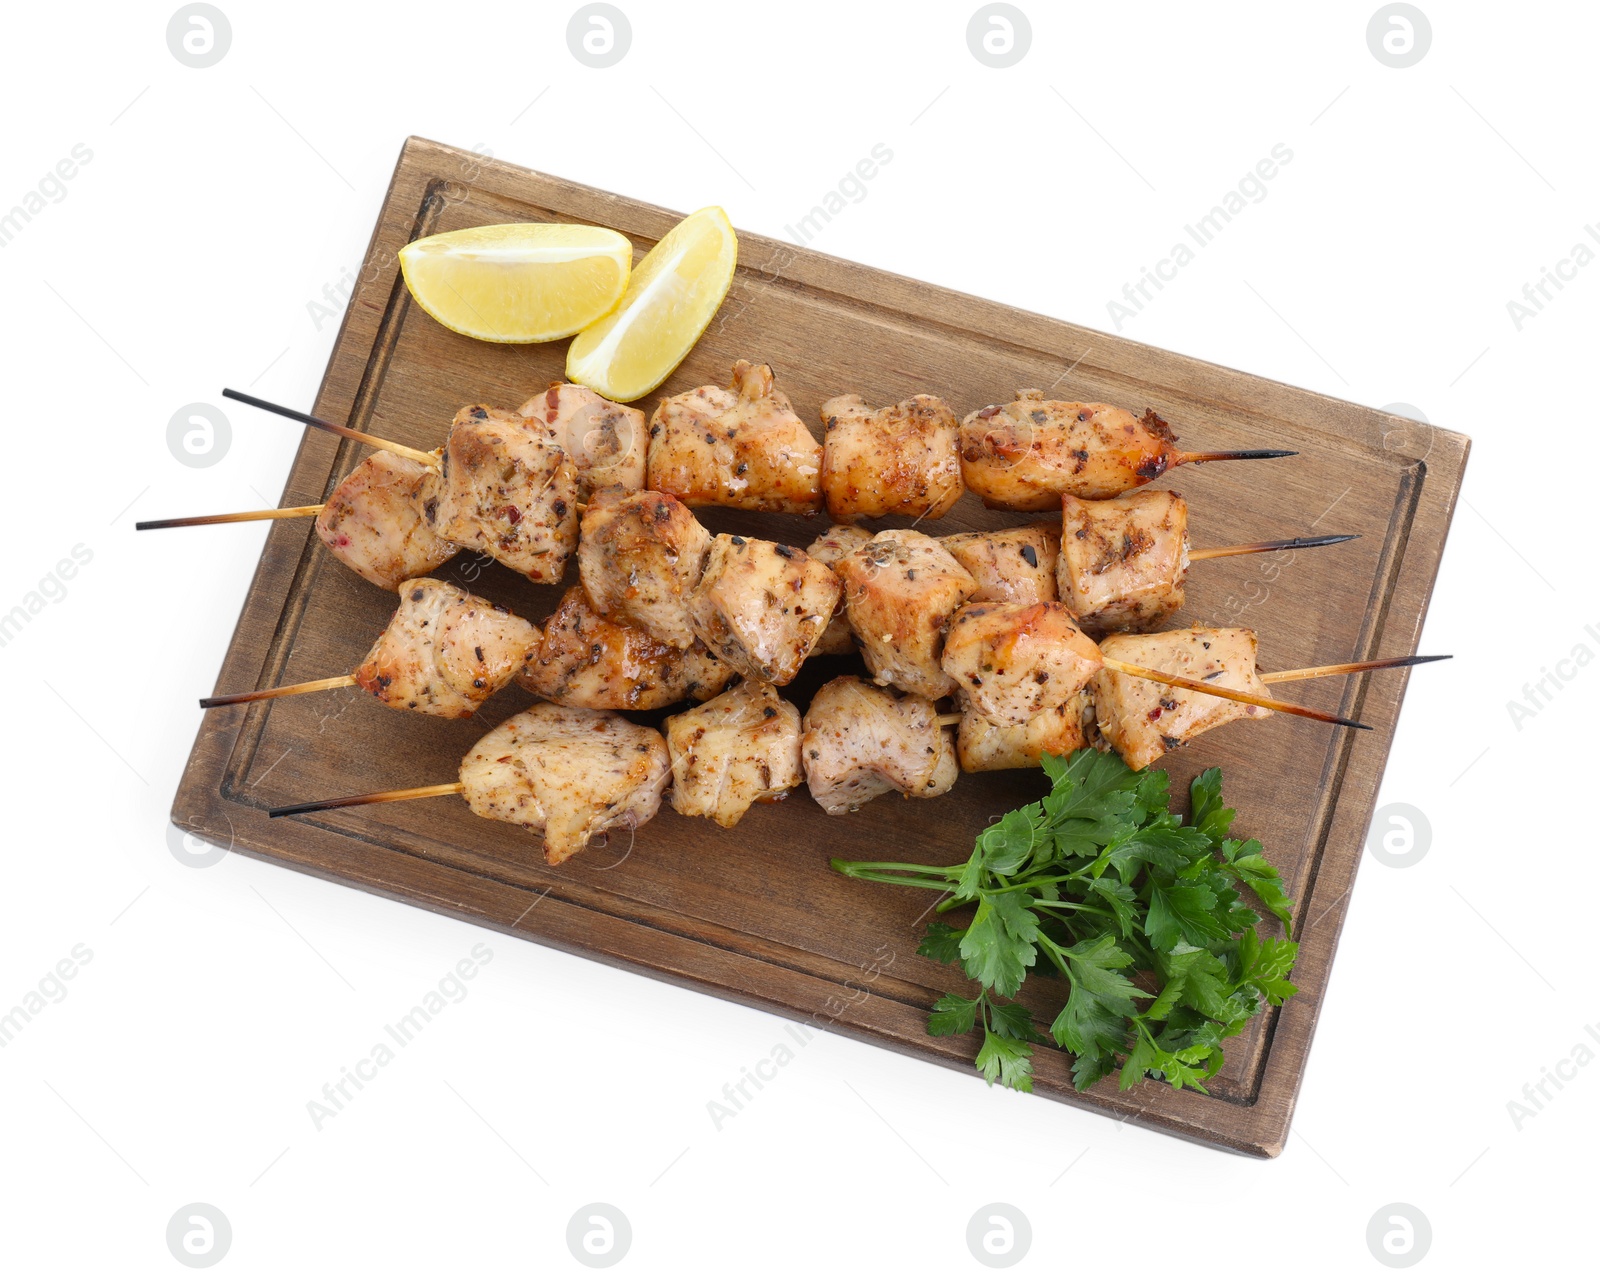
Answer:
x=376 y=521
x=761 y=607
x=1018 y=564
x=1013 y=661
x=606 y=441
x=1123 y=561
x=829 y=548
x=900 y=459
x=900 y=590
x=742 y=447
x=1028 y=453
x=510 y=492
x=445 y=651
x=1143 y=720
x=569 y=772
x=862 y=741
x=640 y=558
x=740 y=748
x=982 y=745
x=584 y=660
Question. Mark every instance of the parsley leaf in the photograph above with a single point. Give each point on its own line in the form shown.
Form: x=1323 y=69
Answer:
x=953 y=1014
x=998 y=946
x=942 y=942
x=1008 y=1061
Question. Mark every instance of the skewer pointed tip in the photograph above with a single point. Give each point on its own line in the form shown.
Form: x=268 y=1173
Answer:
x=1271 y=545
x=1210 y=457
x=374 y=797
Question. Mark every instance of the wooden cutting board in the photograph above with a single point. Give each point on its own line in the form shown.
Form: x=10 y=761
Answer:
x=754 y=913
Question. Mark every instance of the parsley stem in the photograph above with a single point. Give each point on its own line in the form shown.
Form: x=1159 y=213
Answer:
x=1076 y=905
x=862 y=869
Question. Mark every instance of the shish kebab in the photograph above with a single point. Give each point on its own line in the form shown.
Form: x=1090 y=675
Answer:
x=574 y=773
x=397 y=516
x=664 y=612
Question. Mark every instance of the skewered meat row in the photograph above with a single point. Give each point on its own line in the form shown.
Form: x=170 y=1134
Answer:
x=573 y=772
x=1116 y=564
x=510 y=483
x=745 y=447
x=444 y=653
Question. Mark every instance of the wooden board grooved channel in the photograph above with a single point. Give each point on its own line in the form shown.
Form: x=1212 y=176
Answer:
x=754 y=914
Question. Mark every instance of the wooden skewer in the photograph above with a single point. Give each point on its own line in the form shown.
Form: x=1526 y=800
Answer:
x=1211 y=457
x=226 y=518
x=340 y=430
x=376 y=797
x=1270 y=545
x=1348 y=669
x=282 y=691
x=1233 y=695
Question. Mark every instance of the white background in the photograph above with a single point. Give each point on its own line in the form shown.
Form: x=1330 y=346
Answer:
x=219 y=203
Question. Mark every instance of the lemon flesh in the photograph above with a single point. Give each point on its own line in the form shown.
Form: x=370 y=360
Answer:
x=672 y=296
x=518 y=284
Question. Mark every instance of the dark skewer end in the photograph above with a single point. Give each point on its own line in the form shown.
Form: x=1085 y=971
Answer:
x=1322 y=540
x=264 y=405
x=318 y=805
x=1207 y=457
x=226 y=700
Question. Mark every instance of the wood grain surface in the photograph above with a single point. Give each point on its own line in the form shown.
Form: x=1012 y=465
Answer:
x=754 y=914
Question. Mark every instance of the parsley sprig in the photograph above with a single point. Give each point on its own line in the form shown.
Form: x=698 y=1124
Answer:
x=1140 y=914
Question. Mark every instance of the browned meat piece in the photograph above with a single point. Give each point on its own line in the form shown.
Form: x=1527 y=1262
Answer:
x=1009 y=565
x=982 y=746
x=375 y=520
x=900 y=459
x=445 y=651
x=740 y=748
x=830 y=548
x=583 y=660
x=640 y=557
x=1015 y=661
x=761 y=607
x=568 y=772
x=861 y=741
x=1143 y=720
x=1124 y=560
x=900 y=591
x=1028 y=453
x=605 y=440
x=742 y=448
x=508 y=492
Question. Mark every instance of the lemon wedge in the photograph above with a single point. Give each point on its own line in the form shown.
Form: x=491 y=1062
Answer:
x=671 y=298
x=518 y=284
